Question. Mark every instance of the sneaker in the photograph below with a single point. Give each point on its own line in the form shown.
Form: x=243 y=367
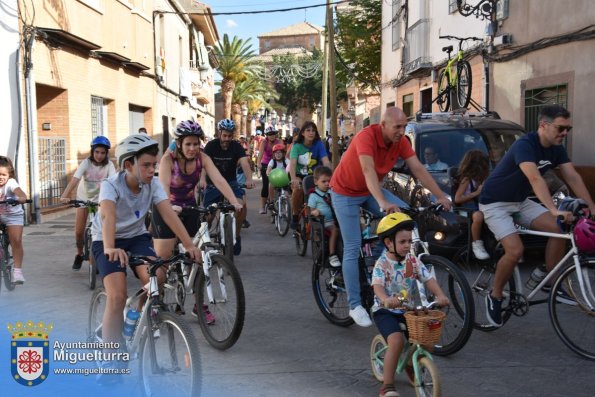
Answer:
x=388 y=391
x=561 y=295
x=334 y=261
x=78 y=262
x=263 y=211
x=494 y=310
x=245 y=224
x=237 y=247
x=210 y=317
x=360 y=316
x=17 y=276
x=479 y=250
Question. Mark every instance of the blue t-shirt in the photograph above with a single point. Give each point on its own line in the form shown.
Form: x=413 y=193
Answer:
x=317 y=201
x=308 y=158
x=508 y=183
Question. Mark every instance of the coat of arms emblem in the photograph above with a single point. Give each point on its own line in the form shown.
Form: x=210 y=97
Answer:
x=29 y=347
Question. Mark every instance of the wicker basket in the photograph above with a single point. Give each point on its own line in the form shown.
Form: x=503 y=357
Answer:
x=425 y=328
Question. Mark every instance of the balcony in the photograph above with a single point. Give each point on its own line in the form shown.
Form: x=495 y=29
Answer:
x=201 y=81
x=417 y=51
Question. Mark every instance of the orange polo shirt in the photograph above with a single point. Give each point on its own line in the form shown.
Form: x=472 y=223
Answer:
x=348 y=178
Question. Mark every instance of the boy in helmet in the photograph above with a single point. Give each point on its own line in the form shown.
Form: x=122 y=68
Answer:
x=125 y=198
x=392 y=279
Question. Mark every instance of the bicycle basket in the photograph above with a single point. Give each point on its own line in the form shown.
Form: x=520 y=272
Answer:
x=425 y=328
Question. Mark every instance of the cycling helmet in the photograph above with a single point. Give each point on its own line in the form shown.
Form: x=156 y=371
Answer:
x=278 y=178
x=584 y=235
x=131 y=145
x=187 y=128
x=392 y=223
x=101 y=141
x=226 y=125
x=270 y=131
x=258 y=132
x=278 y=146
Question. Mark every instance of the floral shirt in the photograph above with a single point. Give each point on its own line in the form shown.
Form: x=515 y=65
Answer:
x=398 y=278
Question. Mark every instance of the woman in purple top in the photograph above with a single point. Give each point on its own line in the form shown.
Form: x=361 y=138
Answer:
x=264 y=156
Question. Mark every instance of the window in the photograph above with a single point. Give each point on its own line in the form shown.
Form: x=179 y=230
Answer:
x=312 y=42
x=396 y=24
x=452 y=6
x=98 y=116
x=537 y=98
x=267 y=44
x=408 y=105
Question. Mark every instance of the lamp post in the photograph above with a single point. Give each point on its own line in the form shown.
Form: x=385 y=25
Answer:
x=318 y=112
x=244 y=126
x=274 y=118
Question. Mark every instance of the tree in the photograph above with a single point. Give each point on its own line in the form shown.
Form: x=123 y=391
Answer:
x=359 y=30
x=253 y=92
x=235 y=65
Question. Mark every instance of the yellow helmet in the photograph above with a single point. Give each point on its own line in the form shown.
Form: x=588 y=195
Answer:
x=394 y=222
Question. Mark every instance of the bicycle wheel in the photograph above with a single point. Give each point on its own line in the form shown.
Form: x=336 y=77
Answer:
x=8 y=263
x=318 y=243
x=88 y=252
x=95 y=320
x=226 y=304
x=574 y=318
x=174 y=369
x=464 y=80
x=480 y=277
x=443 y=99
x=377 y=351
x=330 y=294
x=300 y=235
x=228 y=241
x=458 y=324
x=429 y=379
x=283 y=214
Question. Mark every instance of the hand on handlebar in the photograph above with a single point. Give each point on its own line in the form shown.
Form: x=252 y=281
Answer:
x=193 y=252
x=177 y=209
x=250 y=185
x=441 y=301
x=389 y=207
x=564 y=216
x=238 y=206
x=446 y=203
x=64 y=200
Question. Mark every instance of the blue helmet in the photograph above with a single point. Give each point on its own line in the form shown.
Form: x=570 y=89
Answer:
x=101 y=141
x=187 y=128
x=226 y=125
x=272 y=130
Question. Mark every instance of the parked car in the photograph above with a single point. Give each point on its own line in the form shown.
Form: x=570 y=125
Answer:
x=447 y=137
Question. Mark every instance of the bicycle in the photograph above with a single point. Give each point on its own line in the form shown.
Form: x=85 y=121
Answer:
x=6 y=261
x=223 y=226
x=280 y=211
x=164 y=344
x=87 y=239
x=415 y=359
x=458 y=81
x=302 y=233
x=218 y=287
x=331 y=296
x=573 y=276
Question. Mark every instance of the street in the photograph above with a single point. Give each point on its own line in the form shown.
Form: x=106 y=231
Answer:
x=287 y=347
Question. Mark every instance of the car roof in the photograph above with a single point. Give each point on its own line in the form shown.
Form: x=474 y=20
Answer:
x=456 y=122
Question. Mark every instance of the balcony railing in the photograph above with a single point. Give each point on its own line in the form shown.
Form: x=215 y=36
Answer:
x=417 y=53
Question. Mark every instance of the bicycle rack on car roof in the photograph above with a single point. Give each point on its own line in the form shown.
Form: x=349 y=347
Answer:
x=457 y=114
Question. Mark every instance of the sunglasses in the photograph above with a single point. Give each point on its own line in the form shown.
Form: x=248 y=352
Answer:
x=561 y=128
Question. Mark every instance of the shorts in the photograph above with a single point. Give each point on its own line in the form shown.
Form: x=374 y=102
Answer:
x=159 y=229
x=213 y=195
x=329 y=224
x=11 y=219
x=501 y=217
x=138 y=245
x=388 y=322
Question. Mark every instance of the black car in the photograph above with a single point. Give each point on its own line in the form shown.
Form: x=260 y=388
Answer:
x=443 y=139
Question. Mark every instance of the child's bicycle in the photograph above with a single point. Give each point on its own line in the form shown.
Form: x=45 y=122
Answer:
x=281 y=211
x=423 y=331
x=162 y=342
x=6 y=262
x=88 y=241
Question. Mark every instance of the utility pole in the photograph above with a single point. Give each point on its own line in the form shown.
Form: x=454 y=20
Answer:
x=322 y=111
x=332 y=84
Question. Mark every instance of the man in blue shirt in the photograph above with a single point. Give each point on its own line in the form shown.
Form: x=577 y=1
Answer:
x=504 y=197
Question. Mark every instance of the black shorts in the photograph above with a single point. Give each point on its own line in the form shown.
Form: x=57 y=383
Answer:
x=159 y=229
x=388 y=322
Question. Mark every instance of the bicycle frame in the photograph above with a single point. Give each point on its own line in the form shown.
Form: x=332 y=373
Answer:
x=411 y=353
x=452 y=63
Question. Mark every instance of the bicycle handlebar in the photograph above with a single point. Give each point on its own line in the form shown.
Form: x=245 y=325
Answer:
x=460 y=38
x=212 y=208
x=82 y=203
x=13 y=201
x=154 y=263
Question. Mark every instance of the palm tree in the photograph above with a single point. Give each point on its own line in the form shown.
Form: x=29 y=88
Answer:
x=235 y=65
x=253 y=92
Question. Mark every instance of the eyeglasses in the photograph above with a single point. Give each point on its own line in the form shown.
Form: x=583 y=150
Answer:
x=561 y=128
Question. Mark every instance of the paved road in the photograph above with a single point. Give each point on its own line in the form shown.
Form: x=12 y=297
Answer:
x=287 y=347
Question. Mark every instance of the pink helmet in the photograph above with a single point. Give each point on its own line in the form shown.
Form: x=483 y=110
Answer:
x=584 y=235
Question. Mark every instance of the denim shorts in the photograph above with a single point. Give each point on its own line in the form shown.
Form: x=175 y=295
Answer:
x=213 y=195
x=11 y=219
x=138 y=245
x=388 y=322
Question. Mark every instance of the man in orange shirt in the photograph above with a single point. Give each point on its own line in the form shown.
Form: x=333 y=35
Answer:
x=357 y=182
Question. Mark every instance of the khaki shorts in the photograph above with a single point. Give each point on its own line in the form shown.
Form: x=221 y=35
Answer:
x=502 y=217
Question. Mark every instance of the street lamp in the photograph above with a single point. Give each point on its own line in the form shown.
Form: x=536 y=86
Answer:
x=274 y=117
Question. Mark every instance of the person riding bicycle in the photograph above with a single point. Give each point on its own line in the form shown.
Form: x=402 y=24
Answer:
x=504 y=198
x=265 y=154
x=125 y=199
x=393 y=278
x=278 y=161
x=226 y=154
x=92 y=170
x=357 y=183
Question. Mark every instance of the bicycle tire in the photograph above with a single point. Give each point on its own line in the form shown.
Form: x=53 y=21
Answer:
x=301 y=243
x=95 y=318
x=283 y=216
x=228 y=243
x=443 y=99
x=377 y=351
x=464 y=83
x=88 y=252
x=317 y=243
x=480 y=275
x=329 y=288
x=429 y=381
x=177 y=370
x=458 y=324
x=229 y=313
x=8 y=263
x=574 y=322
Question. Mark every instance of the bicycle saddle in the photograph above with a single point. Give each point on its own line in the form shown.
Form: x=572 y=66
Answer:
x=447 y=49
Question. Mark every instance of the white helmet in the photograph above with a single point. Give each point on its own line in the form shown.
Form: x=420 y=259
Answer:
x=131 y=145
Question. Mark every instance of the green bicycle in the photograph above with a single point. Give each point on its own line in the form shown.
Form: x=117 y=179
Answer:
x=457 y=80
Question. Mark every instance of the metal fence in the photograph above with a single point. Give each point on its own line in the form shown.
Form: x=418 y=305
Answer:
x=52 y=170
x=537 y=98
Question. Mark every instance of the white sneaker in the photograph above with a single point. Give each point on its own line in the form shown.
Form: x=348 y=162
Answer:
x=334 y=261
x=17 y=276
x=479 y=250
x=360 y=316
